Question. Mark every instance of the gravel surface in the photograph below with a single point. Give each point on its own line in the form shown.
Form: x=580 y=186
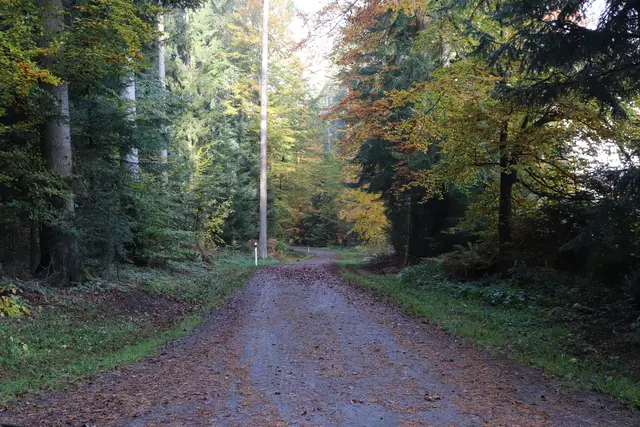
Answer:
x=299 y=347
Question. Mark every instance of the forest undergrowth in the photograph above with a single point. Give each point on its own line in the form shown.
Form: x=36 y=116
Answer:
x=66 y=334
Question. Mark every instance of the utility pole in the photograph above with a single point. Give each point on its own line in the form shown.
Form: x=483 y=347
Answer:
x=263 y=131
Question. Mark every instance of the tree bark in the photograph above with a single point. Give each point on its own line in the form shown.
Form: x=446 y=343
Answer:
x=508 y=177
x=34 y=247
x=162 y=74
x=446 y=55
x=407 y=249
x=131 y=160
x=58 y=244
x=162 y=71
x=263 y=131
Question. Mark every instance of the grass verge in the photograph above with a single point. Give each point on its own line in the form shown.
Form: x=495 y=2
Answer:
x=101 y=325
x=349 y=256
x=512 y=324
x=291 y=255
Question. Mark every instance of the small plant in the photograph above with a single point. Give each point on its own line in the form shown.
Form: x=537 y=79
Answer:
x=11 y=304
x=12 y=349
x=494 y=295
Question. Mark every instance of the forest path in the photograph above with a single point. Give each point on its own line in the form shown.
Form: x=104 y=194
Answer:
x=299 y=347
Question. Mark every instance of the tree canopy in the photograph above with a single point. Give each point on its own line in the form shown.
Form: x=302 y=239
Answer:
x=129 y=132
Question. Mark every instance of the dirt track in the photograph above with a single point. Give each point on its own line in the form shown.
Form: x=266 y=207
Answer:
x=299 y=347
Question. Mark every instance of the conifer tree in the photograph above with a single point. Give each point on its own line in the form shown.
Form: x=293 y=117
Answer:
x=565 y=48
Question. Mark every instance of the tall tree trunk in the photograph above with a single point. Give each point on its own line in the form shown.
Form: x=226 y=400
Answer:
x=508 y=177
x=190 y=60
x=263 y=131
x=162 y=70
x=446 y=55
x=131 y=160
x=162 y=74
x=407 y=248
x=34 y=246
x=58 y=244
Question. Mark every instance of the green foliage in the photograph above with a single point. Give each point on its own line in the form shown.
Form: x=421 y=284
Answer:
x=19 y=72
x=320 y=227
x=207 y=118
x=103 y=39
x=383 y=52
x=28 y=185
x=475 y=126
x=596 y=237
x=434 y=275
x=281 y=246
x=11 y=303
x=562 y=54
x=12 y=349
x=471 y=262
x=221 y=127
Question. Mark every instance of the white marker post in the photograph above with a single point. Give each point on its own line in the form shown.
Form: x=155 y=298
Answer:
x=255 y=250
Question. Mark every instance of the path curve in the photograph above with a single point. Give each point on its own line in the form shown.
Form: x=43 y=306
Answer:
x=299 y=347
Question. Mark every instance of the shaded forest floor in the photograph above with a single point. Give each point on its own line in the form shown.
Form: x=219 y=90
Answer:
x=94 y=327
x=586 y=345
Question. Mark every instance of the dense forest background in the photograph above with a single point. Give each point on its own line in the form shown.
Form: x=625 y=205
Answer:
x=130 y=130
x=502 y=134
x=130 y=134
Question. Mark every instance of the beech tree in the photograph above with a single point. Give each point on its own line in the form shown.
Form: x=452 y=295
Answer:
x=57 y=241
x=455 y=114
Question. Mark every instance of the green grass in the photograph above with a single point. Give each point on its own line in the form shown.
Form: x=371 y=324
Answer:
x=350 y=256
x=49 y=367
x=521 y=330
x=294 y=256
x=71 y=336
x=205 y=286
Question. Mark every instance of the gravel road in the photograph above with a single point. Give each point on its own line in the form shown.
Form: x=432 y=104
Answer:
x=299 y=347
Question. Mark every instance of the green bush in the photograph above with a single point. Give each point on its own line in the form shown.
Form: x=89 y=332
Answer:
x=472 y=262
x=281 y=246
x=428 y=273
x=11 y=303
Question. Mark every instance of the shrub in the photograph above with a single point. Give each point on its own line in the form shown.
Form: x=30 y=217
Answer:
x=429 y=273
x=11 y=304
x=470 y=263
x=281 y=246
